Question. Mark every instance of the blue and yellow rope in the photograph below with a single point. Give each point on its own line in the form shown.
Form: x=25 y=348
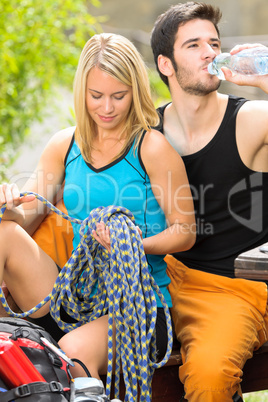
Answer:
x=93 y=283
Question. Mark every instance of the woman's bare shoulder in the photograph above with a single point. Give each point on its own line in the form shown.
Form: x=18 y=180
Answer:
x=63 y=136
x=155 y=143
x=58 y=145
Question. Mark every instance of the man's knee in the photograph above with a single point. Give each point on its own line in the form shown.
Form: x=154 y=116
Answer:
x=209 y=372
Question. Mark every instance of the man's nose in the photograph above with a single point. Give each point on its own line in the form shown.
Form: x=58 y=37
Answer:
x=209 y=52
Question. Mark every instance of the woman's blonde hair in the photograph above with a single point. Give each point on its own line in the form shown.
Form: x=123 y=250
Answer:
x=118 y=57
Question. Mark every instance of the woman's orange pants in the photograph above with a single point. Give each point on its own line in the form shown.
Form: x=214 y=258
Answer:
x=219 y=322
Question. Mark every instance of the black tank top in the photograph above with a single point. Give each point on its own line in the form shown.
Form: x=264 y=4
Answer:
x=230 y=200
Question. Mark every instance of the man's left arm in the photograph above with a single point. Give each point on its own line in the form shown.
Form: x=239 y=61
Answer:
x=252 y=134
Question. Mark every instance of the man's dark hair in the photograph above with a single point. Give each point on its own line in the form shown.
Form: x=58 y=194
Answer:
x=166 y=27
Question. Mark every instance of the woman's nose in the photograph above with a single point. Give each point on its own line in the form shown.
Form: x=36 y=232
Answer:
x=108 y=105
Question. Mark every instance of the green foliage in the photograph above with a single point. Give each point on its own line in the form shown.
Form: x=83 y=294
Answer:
x=159 y=90
x=260 y=396
x=40 y=44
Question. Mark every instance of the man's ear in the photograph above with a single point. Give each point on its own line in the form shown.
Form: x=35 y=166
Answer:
x=165 y=66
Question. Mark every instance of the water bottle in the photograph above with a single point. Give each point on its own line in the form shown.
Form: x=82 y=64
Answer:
x=252 y=61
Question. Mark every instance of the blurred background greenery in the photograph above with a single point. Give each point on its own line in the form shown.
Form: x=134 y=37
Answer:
x=40 y=44
x=261 y=396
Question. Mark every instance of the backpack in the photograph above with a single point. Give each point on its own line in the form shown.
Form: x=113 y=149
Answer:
x=54 y=385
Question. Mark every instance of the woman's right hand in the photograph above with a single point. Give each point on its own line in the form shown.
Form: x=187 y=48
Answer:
x=102 y=235
x=10 y=195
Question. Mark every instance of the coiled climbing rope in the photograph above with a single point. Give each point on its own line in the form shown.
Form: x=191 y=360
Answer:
x=93 y=283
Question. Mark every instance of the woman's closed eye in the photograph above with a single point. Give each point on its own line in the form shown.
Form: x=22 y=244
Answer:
x=119 y=97
x=115 y=97
x=96 y=96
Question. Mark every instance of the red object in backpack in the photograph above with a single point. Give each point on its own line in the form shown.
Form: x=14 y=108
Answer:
x=15 y=367
x=29 y=370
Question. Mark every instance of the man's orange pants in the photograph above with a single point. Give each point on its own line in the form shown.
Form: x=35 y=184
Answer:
x=219 y=322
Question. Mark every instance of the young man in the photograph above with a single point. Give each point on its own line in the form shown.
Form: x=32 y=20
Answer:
x=223 y=140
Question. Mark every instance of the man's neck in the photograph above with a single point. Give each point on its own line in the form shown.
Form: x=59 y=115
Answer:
x=190 y=122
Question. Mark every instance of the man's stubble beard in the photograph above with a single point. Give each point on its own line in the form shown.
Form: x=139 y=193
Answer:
x=185 y=81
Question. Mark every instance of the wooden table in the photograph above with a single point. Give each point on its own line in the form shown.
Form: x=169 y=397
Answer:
x=253 y=264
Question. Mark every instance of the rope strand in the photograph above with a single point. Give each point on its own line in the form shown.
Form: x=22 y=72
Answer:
x=93 y=283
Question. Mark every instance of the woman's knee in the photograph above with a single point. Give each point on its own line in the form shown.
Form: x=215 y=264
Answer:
x=70 y=345
x=8 y=233
x=89 y=343
x=13 y=239
x=83 y=352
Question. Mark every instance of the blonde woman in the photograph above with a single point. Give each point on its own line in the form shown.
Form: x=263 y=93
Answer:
x=111 y=157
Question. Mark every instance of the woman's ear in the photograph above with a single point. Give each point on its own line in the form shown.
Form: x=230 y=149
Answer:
x=165 y=66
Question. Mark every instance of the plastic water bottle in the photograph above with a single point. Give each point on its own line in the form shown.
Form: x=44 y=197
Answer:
x=252 y=61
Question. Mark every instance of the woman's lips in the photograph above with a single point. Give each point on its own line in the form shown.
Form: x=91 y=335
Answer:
x=106 y=118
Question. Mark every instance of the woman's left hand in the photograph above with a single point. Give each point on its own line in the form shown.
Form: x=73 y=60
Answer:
x=102 y=235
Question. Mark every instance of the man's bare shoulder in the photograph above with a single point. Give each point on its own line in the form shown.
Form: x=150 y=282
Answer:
x=253 y=115
x=252 y=134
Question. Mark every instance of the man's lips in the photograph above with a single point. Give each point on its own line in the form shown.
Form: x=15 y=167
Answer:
x=205 y=68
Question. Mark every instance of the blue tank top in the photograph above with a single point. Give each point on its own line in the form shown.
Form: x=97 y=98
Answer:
x=124 y=182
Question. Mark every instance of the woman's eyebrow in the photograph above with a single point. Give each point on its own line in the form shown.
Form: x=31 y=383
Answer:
x=115 y=93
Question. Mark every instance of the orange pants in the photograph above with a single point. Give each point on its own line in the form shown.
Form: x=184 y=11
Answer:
x=219 y=322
